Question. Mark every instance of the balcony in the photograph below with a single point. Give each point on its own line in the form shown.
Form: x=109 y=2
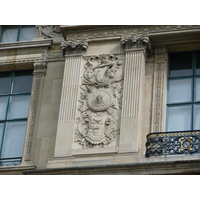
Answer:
x=173 y=143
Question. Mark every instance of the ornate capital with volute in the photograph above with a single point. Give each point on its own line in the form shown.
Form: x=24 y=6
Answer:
x=40 y=69
x=134 y=42
x=74 y=47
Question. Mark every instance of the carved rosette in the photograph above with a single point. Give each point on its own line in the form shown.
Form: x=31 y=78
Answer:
x=100 y=101
x=74 y=47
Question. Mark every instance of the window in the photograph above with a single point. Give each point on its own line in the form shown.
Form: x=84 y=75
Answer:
x=16 y=33
x=183 y=102
x=15 y=90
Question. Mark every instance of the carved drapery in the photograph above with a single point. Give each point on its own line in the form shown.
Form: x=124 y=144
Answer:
x=35 y=103
x=100 y=101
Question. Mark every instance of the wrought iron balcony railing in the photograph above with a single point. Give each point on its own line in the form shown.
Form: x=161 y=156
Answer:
x=173 y=143
x=4 y=162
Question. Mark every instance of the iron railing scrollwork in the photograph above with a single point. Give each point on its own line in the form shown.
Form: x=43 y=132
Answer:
x=173 y=143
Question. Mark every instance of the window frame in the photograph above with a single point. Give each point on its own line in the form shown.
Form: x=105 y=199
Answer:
x=193 y=101
x=19 y=30
x=7 y=120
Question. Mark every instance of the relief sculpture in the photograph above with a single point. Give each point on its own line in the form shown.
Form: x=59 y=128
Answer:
x=100 y=101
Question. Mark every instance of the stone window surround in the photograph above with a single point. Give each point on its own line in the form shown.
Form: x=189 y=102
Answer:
x=34 y=55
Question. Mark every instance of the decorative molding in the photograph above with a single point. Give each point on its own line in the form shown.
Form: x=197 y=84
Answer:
x=100 y=102
x=39 y=73
x=40 y=68
x=25 y=44
x=74 y=47
x=48 y=31
x=160 y=53
x=159 y=92
x=31 y=127
x=157 y=113
x=55 y=55
x=23 y=55
x=92 y=32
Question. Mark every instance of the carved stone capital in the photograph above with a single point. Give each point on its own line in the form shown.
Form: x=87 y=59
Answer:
x=74 y=47
x=40 y=69
x=160 y=53
x=136 y=41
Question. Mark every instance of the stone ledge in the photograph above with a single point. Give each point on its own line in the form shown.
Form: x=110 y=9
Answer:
x=164 y=168
x=26 y=44
x=17 y=168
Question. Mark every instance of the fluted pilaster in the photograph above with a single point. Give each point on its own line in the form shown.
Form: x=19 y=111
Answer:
x=68 y=104
x=132 y=101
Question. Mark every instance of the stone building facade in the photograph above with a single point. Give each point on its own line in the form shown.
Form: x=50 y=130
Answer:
x=99 y=100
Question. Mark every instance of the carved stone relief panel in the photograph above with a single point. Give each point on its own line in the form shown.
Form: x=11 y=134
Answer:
x=48 y=31
x=100 y=101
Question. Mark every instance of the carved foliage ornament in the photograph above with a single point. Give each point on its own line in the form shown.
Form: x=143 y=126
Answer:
x=100 y=102
x=136 y=41
x=74 y=47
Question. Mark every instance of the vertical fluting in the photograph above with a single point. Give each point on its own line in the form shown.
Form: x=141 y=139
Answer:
x=132 y=101
x=66 y=121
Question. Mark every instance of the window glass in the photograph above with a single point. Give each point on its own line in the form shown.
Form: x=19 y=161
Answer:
x=23 y=81
x=19 y=107
x=198 y=63
x=180 y=64
x=1 y=133
x=9 y=34
x=197 y=117
x=5 y=81
x=197 y=89
x=27 y=33
x=3 y=107
x=14 y=107
x=180 y=90
x=179 y=118
x=14 y=139
x=16 y=33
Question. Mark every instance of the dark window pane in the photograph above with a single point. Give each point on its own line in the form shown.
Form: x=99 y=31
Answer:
x=14 y=139
x=27 y=33
x=5 y=81
x=9 y=34
x=3 y=107
x=198 y=63
x=180 y=64
x=23 y=81
x=1 y=133
x=19 y=106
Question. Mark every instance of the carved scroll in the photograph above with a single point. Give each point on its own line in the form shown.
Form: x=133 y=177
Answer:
x=100 y=102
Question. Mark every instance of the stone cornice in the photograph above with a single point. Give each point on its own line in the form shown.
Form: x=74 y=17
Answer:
x=26 y=44
x=24 y=52
x=110 y=31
